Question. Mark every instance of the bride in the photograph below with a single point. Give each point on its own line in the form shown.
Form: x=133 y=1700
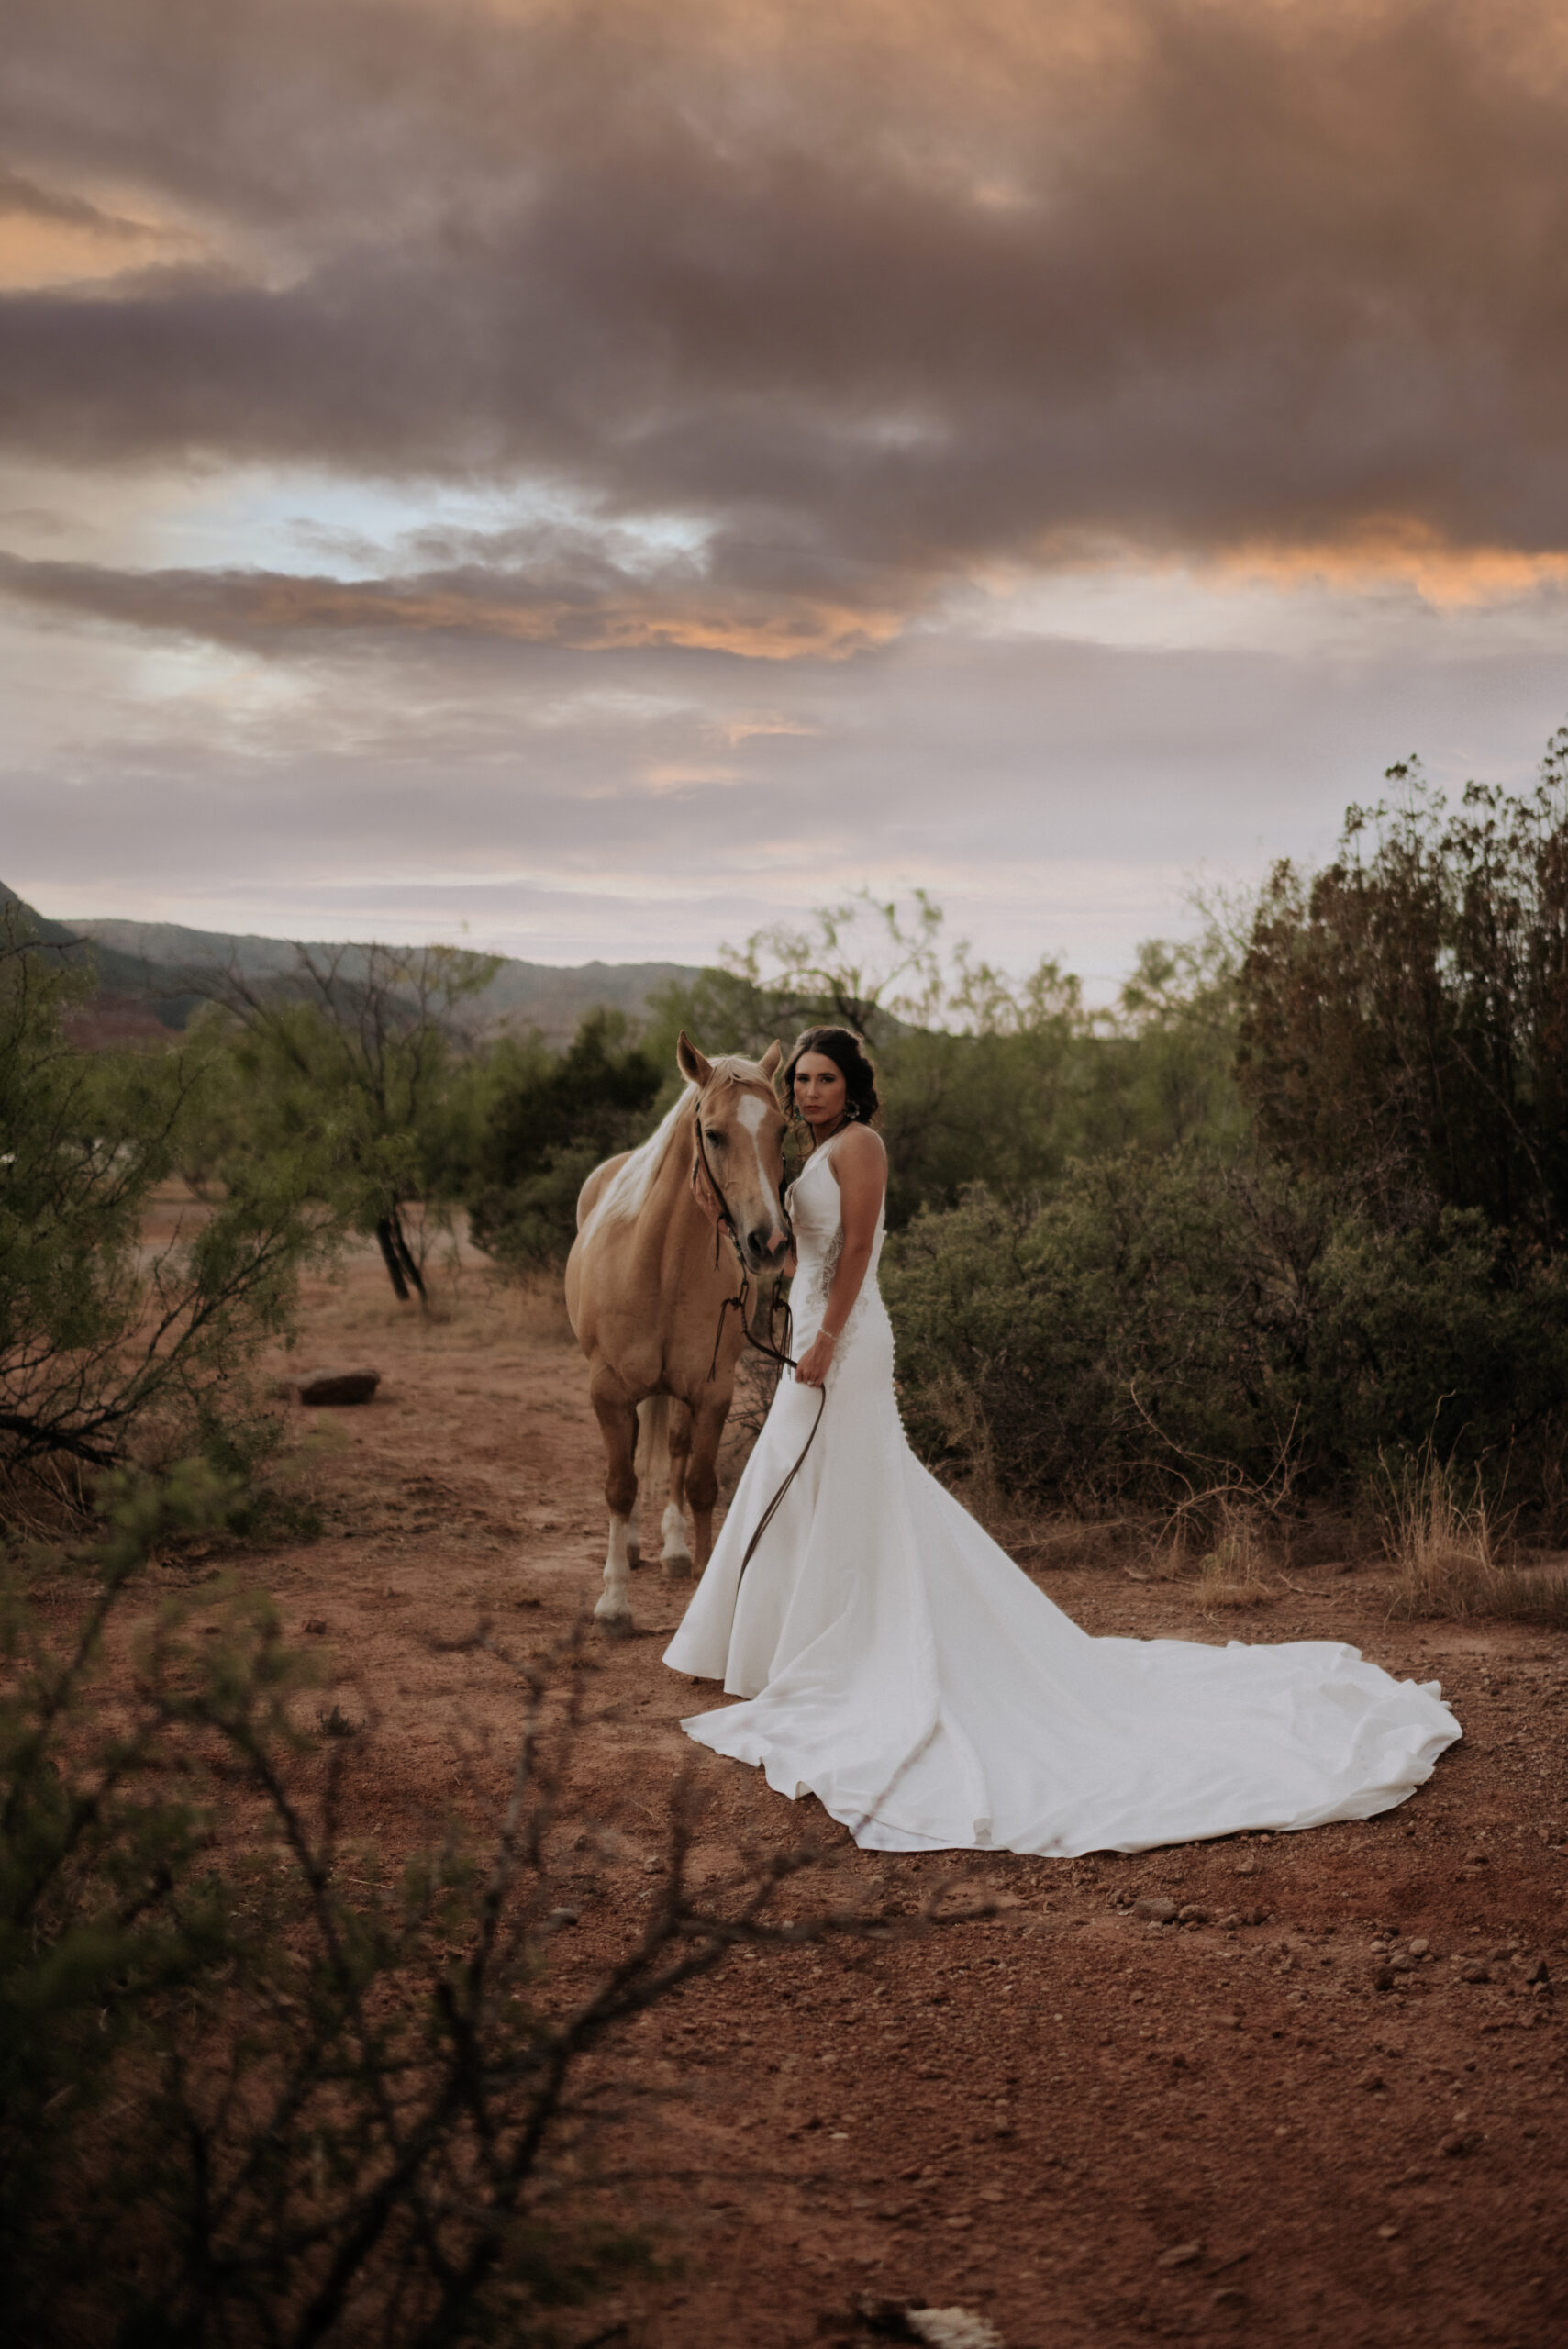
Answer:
x=898 y=1665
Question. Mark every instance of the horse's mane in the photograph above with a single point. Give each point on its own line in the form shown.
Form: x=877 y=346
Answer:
x=623 y=1195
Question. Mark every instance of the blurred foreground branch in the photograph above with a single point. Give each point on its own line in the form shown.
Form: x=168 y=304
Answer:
x=260 y=2087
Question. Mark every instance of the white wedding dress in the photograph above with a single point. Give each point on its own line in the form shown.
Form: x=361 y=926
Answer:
x=900 y=1666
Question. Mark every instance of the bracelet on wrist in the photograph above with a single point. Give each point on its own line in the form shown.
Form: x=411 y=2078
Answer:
x=832 y=1336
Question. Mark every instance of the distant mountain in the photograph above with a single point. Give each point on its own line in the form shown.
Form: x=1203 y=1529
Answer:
x=177 y=966
x=135 y=995
x=118 y=969
x=167 y=943
x=18 y=914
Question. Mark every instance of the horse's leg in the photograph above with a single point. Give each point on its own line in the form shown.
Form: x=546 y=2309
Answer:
x=675 y=1555
x=643 y=1462
x=701 y=1469
x=617 y=1424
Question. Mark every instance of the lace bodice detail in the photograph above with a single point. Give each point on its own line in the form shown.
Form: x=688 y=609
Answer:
x=816 y=1213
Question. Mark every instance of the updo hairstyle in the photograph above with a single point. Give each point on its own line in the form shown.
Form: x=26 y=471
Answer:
x=845 y=1049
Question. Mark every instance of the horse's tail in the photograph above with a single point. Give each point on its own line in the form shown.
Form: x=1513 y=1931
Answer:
x=653 y=1445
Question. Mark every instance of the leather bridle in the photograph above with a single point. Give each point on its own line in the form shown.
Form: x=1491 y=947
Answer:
x=702 y=1172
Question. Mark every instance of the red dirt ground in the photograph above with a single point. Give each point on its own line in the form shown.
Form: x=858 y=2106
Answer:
x=1091 y=2129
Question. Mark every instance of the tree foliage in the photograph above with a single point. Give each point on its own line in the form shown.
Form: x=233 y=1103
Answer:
x=349 y=1072
x=102 y=1338
x=983 y=1078
x=547 y=1121
x=1358 y=1247
x=1405 y=1011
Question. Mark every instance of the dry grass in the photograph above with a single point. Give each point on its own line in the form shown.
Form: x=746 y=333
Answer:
x=1444 y=1551
x=1059 y=1539
x=469 y=1300
x=1234 y=1572
x=535 y=1307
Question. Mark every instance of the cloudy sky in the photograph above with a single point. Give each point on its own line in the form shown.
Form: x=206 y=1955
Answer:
x=612 y=475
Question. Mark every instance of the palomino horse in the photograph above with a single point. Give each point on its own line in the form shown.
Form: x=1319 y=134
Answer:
x=648 y=1284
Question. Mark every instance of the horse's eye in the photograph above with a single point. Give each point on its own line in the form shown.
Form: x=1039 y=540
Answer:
x=711 y=1133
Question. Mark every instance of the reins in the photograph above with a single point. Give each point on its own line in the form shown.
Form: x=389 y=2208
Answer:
x=742 y=1298
x=769 y=1513
x=780 y=1355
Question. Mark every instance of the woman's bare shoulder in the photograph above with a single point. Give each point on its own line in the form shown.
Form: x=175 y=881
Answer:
x=859 y=1152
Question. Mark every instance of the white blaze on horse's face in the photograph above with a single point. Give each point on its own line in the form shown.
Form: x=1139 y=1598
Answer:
x=760 y=1118
x=743 y=1131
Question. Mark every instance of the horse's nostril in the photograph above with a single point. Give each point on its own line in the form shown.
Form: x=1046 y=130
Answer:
x=759 y=1238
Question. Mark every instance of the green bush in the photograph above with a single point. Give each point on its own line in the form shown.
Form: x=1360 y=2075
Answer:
x=1166 y=1322
x=105 y=1346
x=1405 y=1011
x=547 y=1121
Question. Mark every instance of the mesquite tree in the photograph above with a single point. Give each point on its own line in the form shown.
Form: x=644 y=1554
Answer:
x=1405 y=1011
x=344 y=1069
x=100 y=1334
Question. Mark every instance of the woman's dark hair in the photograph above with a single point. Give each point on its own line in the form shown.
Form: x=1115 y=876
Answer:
x=848 y=1055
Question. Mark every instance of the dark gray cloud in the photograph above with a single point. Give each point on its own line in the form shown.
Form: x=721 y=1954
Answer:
x=876 y=294
x=21 y=199
x=540 y=587
x=517 y=787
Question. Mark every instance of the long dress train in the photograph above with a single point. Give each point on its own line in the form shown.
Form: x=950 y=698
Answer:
x=898 y=1665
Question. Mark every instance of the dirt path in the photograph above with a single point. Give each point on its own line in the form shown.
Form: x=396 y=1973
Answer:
x=1258 y=2128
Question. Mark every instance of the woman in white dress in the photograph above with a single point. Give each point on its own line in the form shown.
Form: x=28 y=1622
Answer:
x=900 y=1666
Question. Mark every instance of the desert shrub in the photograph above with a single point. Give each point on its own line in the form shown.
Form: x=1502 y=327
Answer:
x=550 y=1120
x=103 y=1346
x=105 y=1898
x=1169 y=1320
x=1093 y=1338
x=257 y=2083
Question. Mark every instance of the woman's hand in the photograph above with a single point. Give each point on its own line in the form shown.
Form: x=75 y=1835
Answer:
x=815 y=1362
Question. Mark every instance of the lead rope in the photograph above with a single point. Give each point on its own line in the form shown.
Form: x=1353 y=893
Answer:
x=768 y=1514
x=779 y=1354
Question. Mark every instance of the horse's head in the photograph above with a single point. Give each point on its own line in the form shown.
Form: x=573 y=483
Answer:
x=737 y=1147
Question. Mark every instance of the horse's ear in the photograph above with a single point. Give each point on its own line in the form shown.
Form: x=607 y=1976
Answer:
x=771 y=1058
x=690 y=1062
